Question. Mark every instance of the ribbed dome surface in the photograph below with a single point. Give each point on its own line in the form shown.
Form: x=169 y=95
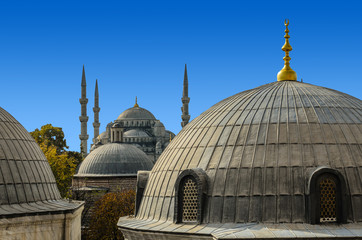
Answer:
x=258 y=148
x=27 y=184
x=114 y=159
x=136 y=113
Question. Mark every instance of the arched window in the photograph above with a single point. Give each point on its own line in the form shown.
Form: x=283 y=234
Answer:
x=191 y=190
x=327 y=191
x=189 y=199
x=327 y=197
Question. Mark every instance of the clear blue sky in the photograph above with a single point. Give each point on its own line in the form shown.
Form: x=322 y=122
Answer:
x=140 y=48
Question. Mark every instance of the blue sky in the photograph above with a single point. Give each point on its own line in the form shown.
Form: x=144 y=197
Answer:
x=139 y=48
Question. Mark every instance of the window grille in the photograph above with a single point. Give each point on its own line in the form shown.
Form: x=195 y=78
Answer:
x=328 y=204
x=189 y=201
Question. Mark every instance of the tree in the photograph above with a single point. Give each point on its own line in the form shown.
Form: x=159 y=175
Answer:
x=63 y=163
x=63 y=167
x=51 y=136
x=107 y=211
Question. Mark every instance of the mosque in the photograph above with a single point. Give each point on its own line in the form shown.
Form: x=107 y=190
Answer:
x=282 y=161
x=131 y=143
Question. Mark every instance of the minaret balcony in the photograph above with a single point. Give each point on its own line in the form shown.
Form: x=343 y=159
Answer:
x=83 y=118
x=83 y=100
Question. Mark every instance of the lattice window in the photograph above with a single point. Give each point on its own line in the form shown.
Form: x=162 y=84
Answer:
x=328 y=195
x=189 y=201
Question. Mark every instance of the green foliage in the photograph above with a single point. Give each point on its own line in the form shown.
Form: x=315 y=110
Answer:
x=78 y=157
x=63 y=163
x=51 y=136
x=107 y=211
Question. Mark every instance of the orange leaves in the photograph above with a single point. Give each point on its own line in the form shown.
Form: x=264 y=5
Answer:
x=106 y=213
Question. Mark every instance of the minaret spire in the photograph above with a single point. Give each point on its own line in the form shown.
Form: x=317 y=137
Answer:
x=185 y=100
x=96 y=110
x=83 y=118
x=287 y=73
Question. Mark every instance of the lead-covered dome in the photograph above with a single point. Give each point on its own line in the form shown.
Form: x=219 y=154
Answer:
x=259 y=150
x=27 y=184
x=136 y=113
x=135 y=133
x=114 y=159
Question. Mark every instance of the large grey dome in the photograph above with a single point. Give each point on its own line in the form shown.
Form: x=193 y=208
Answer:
x=136 y=113
x=27 y=184
x=258 y=149
x=114 y=159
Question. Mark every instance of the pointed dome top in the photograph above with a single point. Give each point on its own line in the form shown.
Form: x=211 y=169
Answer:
x=136 y=104
x=287 y=73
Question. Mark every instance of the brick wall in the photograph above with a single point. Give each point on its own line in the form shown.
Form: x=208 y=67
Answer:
x=91 y=189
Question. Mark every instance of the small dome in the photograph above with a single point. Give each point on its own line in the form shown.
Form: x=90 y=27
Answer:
x=27 y=184
x=136 y=113
x=103 y=135
x=159 y=124
x=114 y=159
x=116 y=125
x=135 y=133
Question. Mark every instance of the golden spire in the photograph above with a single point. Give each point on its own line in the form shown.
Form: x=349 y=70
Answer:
x=136 y=104
x=287 y=73
x=170 y=137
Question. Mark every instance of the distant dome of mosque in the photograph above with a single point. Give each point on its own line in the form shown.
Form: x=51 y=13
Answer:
x=114 y=159
x=27 y=184
x=102 y=135
x=135 y=133
x=136 y=113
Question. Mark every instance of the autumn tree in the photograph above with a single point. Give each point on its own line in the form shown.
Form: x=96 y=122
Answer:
x=62 y=162
x=50 y=136
x=107 y=211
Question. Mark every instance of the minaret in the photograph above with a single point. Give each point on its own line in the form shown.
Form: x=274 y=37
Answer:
x=185 y=101
x=96 y=110
x=83 y=118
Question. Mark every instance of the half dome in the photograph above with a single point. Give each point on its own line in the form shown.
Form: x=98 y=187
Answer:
x=114 y=159
x=27 y=184
x=136 y=113
x=258 y=149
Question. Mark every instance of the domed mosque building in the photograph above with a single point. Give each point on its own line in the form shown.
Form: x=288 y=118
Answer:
x=131 y=143
x=30 y=203
x=283 y=161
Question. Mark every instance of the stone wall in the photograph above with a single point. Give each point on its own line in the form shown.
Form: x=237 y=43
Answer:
x=113 y=184
x=53 y=226
x=91 y=189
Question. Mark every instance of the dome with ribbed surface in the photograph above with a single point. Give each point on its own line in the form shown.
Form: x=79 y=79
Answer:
x=114 y=159
x=27 y=184
x=136 y=113
x=258 y=149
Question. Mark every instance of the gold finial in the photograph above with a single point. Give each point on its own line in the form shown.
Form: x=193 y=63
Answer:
x=136 y=104
x=287 y=73
x=170 y=137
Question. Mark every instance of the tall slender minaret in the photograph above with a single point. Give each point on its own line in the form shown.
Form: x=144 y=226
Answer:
x=83 y=118
x=96 y=110
x=185 y=101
